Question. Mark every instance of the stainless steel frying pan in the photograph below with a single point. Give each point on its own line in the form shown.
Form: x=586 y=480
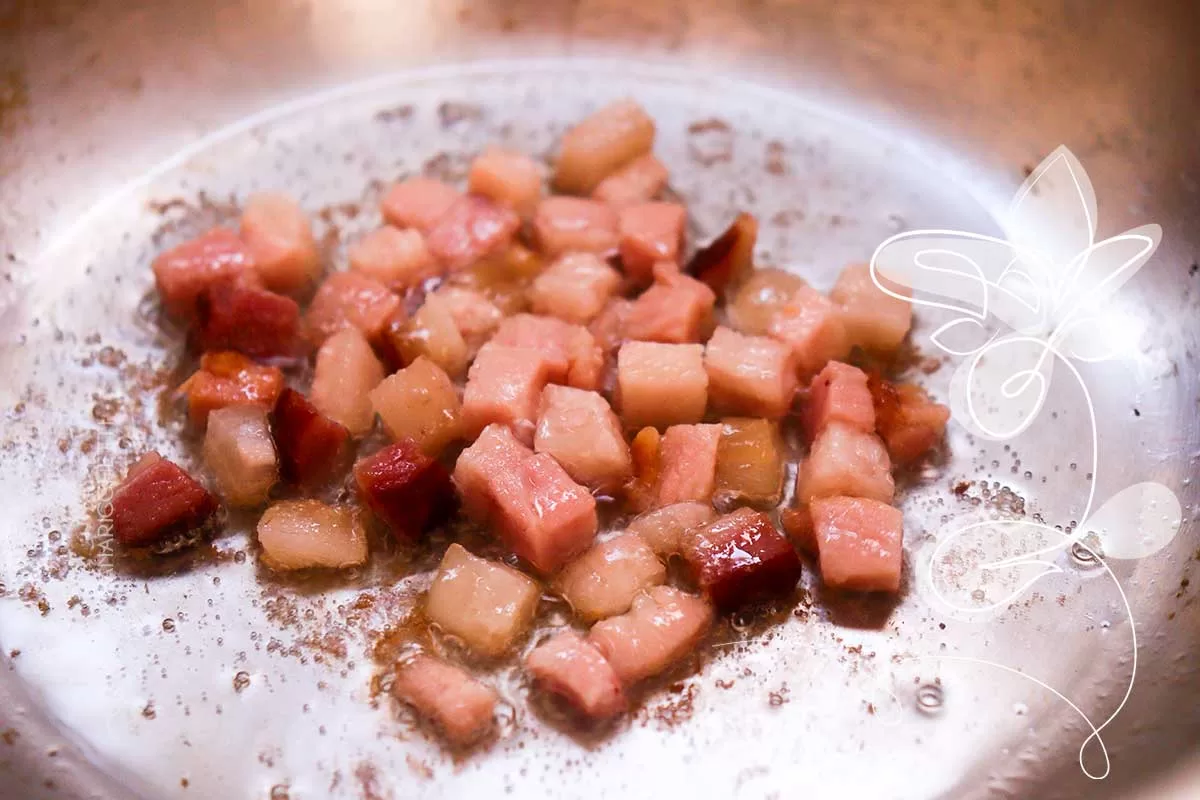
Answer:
x=126 y=125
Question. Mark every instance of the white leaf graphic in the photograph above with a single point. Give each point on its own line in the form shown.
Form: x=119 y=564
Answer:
x=998 y=392
x=962 y=337
x=1136 y=522
x=1096 y=273
x=1054 y=211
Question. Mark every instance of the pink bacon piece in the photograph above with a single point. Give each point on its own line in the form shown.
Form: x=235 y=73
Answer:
x=471 y=228
x=838 y=393
x=575 y=225
x=675 y=310
x=418 y=203
x=568 y=666
x=157 y=499
x=650 y=233
x=459 y=706
x=859 y=543
x=689 y=463
x=639 y=181
x=538 y=511
x=350 y=300
x=663 y=625
x=751 y=375
x=280 y=236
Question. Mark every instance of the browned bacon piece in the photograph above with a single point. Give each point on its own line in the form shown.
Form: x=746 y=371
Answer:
x=741 y=557
x=228 y=379
x=310 y=444
x=156 y=499
x=405 y=488
x=239 y=314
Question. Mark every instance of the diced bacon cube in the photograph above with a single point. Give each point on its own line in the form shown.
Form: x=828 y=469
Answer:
x=846 y=461
x=305 y=534
x=609 y=327
x=240 y=454
x=405 y=488
x=639 y=181
x=764 y=294
x=186 y=270
x=471 y=228
x=689 y=463
x=739 y=558
x=640 y=493
x=486 y=604
x=812 y=327
x=603 y=581
x=676 y=309
x=873 y=320
x=460 y=707
x=540 y=513
x=228 y=379
x=280 y=237
x=568 y=666
x=749 y=463
x=346 y=372
x=574 y=288
x=399 y=259
x=236 y=314
x=581 y=432
x=508 y=178
x=602 y=143
x=661 y=384
x=663 y=625
x=418 y=203
x=157 y=499
x=663 y=527
x=502 y=278
x=570 y=350
x=475 y=316
x=311 y=446
x=433 y=333
x=908 y=421
x=728 y=261
x=575 y=225
x=839 y=393
x=419 y=403
x=650 y=233
x=797 y=524
x=859 y=542
x=504 y=386
x=751 y=375
x=350 y=300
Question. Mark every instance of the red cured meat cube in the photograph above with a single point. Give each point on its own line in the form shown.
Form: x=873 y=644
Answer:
x=471 y=228
x=675 y=310
x=739 y=558
x=839 y=393
x=688 y=463
x=227 y=379
x=650 y=233
x=350 y=300
x=751 y=375
x=846 y=461
x=538 y=511
x=186 y=270
x=157 y=499
x=280 y=237
x=859 y=542
x=459 y=706
x=236 y=314
x=310 y=444
x=405 y=488
x=418 y=203
x=568 y=666
x=663 y=625
x=575 y=225
x=908 y=421
x=504 y=386
x=637 y=182
x=812 y=327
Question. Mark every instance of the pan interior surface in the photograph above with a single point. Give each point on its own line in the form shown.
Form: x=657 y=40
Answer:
x=206 y=677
